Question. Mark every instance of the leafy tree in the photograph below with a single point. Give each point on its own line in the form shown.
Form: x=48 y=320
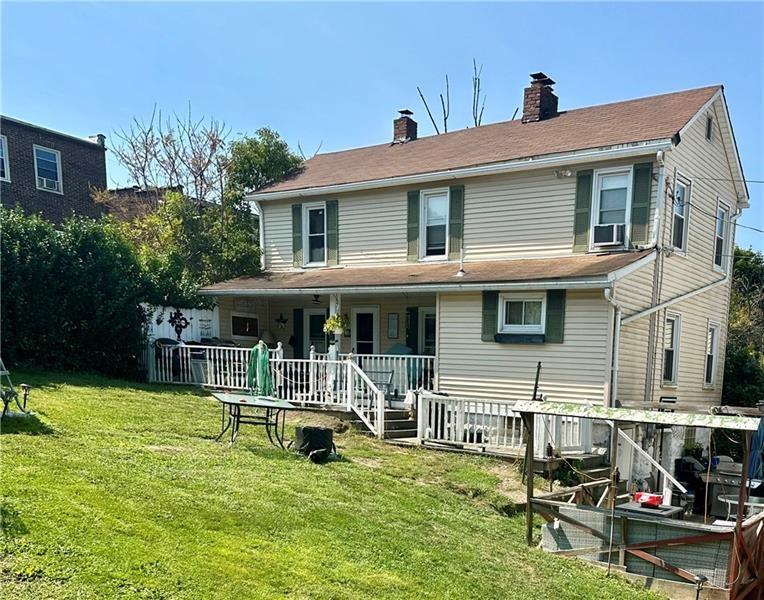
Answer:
x=258 y=161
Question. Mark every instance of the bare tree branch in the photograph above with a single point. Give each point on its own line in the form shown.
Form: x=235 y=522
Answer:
x=434 y=124
x=446 y=106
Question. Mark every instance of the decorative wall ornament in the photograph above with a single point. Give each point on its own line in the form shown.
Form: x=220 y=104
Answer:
x=178 y=322
x=282 y=321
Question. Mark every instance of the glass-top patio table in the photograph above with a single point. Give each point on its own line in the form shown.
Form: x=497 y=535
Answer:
x=272 y=418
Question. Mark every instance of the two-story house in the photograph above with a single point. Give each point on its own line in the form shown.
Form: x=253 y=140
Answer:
x=50 y=173
x=596 y=241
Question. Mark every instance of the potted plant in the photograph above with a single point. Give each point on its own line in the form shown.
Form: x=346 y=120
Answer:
x=337 y=324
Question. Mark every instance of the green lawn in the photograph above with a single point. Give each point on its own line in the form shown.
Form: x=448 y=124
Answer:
x=118 y=490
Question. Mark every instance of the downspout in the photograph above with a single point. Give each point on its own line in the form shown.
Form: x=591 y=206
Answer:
x=660 y=157
x=615 y=350
x=260 y=232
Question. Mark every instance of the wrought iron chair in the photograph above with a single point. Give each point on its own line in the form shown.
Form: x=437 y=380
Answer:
x=9 y=394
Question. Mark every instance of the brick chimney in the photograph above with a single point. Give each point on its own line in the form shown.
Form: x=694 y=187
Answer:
x=404 y=127
x=540 y=101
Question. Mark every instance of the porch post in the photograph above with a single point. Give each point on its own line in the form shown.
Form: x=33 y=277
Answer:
x=335 y=308
x=528 y=419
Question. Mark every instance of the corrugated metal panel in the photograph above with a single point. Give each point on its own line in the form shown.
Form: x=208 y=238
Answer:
x=573 y=370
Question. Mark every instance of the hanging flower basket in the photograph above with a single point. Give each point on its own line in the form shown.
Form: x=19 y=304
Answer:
x=337 y=324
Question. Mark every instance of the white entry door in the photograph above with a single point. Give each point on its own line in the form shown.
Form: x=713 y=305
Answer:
x=364 y=330
x=314 y=331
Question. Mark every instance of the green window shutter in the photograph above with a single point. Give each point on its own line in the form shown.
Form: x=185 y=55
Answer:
x=297 y=235
x=582 y=217
x=412 y=228
x=490 y=316
x=555 y=316
x=640 y=202
x=332 y=229
x=455 y=221
x=297 y=328
x=412 y=328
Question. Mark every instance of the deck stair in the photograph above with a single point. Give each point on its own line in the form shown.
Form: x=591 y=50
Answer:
x=399 y=423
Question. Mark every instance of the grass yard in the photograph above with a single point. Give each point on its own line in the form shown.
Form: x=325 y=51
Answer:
x=118 y=490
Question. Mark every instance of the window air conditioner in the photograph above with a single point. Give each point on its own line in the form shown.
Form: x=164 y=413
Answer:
x=609 y=235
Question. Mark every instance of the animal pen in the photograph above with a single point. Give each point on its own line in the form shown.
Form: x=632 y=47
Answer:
x=585 y=521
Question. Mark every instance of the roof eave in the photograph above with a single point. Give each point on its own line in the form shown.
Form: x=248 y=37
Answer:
x=522 y=164
x=596 y=282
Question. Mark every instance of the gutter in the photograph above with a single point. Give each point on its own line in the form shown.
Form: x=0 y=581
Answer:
x=395 y=289
x=615 y=350
x=598 y=154
x=261 y=232
x=660 y=156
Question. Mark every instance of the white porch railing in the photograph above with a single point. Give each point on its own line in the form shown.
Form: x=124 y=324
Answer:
x=493 y=424
x=320 y=382
x=398 y=373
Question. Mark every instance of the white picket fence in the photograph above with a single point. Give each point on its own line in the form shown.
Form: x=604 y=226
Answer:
x=492 y=424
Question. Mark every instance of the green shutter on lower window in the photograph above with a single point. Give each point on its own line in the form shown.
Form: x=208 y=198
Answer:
x=332 y=232
x=640 y=203
x=583 y=206
x=297 y=260
x=490 y=316
x=412 y=226
x=555 y=317
x=455 y=221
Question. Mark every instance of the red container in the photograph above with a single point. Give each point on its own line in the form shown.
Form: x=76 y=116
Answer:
x=648 y=499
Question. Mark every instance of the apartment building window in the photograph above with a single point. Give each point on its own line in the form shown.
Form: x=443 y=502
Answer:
x=612 y=193
x=681 y=212
x=5 y=173
x=712 y=349
x=671 y=332
x=434 y=220
x=721 y=233
x=522 y=313
x=315 y=233
x=47 y=167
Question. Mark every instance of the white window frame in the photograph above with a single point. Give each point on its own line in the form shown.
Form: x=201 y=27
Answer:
x=423 y=196
x=245 y=315
x=724 y=267
x=60 y=189
x=6 y=164
x=422 y=314
x=686 y=182
x=306 y=208
x=677 y=318
x=716 y=328
x=598 y=174
x=374 y=311
x=516 y=297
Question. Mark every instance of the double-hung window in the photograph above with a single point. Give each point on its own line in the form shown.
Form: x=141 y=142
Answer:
x=47 y=168
x=5 y=173
x=671 y=332
x=712 y=349
x=612 y=201
x=681 y=212
x=434 y=224
x=314 y=241
x=522 y=313
x=721 y=234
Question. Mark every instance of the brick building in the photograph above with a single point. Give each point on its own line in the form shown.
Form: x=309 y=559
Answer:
x=48 y=172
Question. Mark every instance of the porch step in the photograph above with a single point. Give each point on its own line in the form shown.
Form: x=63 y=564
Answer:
x=400 y=424
x=392 y=434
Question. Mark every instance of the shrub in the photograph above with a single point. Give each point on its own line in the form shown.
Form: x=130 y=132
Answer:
x=70 y=298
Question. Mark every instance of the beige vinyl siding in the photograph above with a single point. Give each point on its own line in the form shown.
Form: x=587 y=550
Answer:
x=372 y=228
x=505 y=216
x=277 y=217
x=572 y=371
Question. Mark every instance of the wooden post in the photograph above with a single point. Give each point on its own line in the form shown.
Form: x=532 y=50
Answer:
x=613 y=490
x=528 y=419
x=734 y=567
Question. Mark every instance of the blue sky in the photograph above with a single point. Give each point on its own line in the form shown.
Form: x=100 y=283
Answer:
x=334 y=74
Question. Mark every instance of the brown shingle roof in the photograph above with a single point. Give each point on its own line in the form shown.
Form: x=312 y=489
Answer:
x=641 y=120
x=442 y=274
